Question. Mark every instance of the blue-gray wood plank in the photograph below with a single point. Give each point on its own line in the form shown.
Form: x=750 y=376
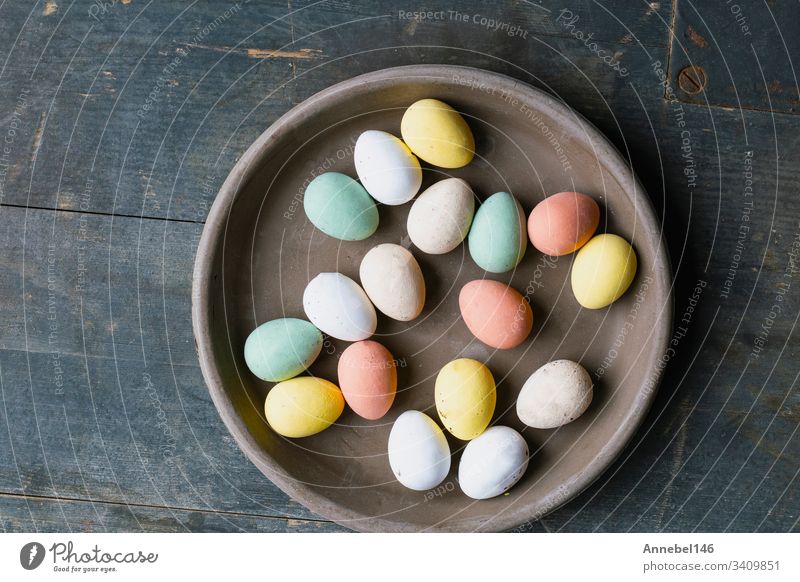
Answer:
x=120 y=122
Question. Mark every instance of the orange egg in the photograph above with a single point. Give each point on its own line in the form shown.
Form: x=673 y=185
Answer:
x=368 y=378
x=495 y=313
x=562 y=223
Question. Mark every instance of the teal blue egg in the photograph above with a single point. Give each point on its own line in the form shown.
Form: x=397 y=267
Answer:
x=498 y=238
x=282 y=348
x=340 y=207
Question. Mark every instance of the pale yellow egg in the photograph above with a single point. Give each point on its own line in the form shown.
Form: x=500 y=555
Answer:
x=303 y=406
x=437 y=133
x=465 y=397
x=603 y=270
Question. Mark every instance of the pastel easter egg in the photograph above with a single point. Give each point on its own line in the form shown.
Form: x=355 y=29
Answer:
x=303 y=406
x=495 y=313
x=393 y=281
x=465 y=397
x=562 y=223
x=555 y=394
x=387 y=168
x=418 y=451
x=368 y=378
x=282 y=348
x=603 y=270
x=440 y=217
x=438 y=134
x=338 y=306
x=492 y=463
x=340 y=207
x=497 y=239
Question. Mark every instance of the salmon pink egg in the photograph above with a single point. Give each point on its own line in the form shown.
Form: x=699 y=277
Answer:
x=562 y=223
x=368 y=379
x=495 y=313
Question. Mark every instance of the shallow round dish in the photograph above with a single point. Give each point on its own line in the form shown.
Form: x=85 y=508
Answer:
x=258 y=251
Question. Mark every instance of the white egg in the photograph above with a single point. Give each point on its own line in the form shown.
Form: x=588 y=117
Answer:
x=418 y=451
x=493 y=462
x=338 y=306
x=555 y=394
x=393 y=281
x=440 y=217
x=387 y=168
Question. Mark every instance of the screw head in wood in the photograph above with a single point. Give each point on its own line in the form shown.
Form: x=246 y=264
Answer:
x=692 y=79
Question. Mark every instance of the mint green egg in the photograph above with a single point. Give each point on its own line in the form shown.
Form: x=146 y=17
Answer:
x=498 y=238
x=282 y=348
x=340 y=207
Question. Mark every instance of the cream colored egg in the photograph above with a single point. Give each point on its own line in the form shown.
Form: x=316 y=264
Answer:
x=393 y=281
x=555 y=394
x=387 y=168
x=440 y=217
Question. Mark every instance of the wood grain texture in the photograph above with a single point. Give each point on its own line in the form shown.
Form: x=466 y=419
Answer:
x=96 y=272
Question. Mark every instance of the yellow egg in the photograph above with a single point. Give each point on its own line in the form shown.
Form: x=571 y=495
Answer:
x=465 y=397
x=303 y=406
x=438 y=134
x=603 y=270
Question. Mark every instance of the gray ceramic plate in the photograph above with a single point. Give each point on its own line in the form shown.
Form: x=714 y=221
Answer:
x=258 y=251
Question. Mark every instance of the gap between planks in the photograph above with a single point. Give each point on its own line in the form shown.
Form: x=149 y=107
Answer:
x=98 y=213
x=162 y=507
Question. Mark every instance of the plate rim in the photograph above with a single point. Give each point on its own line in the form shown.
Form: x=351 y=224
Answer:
x=214 y=230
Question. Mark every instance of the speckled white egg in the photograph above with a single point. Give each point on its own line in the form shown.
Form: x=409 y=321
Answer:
x=387 y=168
x=440 y=217
x=338 y=306
x=555 y=394
x=418 y=451
x=393 y=281
x=492 y=463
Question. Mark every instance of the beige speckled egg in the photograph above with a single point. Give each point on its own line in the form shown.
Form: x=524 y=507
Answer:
x=393 y=281
x=555 y=394
x=440 y=217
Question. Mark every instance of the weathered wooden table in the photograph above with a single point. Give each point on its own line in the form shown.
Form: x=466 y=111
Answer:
x=119 y=119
